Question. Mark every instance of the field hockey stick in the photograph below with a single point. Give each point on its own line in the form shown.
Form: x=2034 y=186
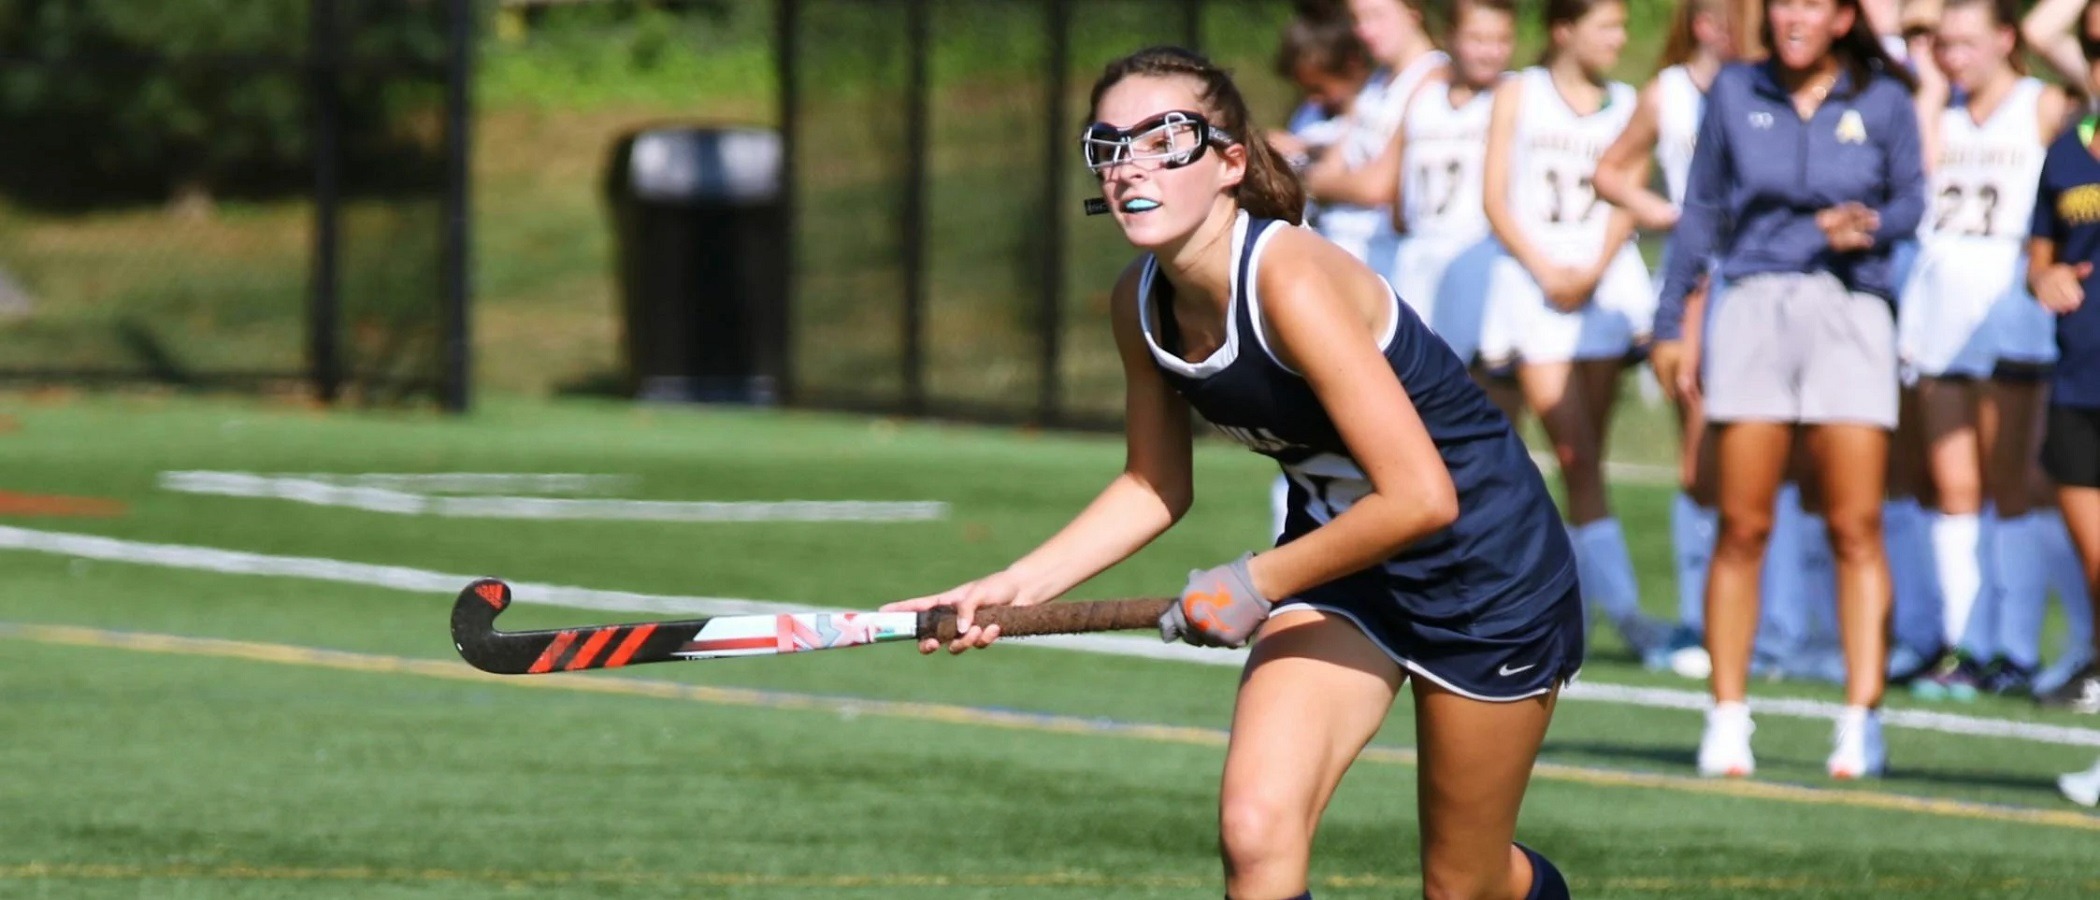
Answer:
x=611 y=646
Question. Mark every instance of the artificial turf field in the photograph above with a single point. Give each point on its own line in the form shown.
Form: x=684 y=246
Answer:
x=177 y=726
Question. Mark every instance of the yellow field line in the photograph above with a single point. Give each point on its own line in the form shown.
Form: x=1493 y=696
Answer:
x=967 y=715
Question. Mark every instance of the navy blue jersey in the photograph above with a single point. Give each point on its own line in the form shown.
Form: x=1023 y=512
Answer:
x=1496 y=570
x=2067 y=213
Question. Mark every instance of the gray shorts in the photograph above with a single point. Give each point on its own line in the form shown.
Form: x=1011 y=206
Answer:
x=1800 y=348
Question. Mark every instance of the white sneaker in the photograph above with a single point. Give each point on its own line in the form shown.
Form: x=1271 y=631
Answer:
x=2082 y=788
x=1858 y=751
x=1725 y=748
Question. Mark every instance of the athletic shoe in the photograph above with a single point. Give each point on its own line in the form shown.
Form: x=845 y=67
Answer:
x=1724 y=750
x=1649 y=638
x=2080 y=694
x=1953 y=677
x=1857 y=749
x=1681 y=653
x=2004 y=677
x=2065 y=668
x=1907 y=665
x=2082 y=788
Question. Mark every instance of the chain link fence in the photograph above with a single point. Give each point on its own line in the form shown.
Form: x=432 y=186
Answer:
x=942 y=264
x=266 y=193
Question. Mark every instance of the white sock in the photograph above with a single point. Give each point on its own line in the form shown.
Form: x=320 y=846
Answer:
x=1279 y=503
x=1980 y=635
x=1782 y=620
x=1692 y=530
x=2067 y=578
x=1956 y=540
x=1915 y=619
x=2022 y=598
x=1606 y=570
x=1818 y=586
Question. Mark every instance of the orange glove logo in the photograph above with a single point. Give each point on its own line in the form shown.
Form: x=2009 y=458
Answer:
x=1203 y=607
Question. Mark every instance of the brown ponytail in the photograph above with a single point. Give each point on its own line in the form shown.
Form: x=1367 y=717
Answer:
x=1269 y=189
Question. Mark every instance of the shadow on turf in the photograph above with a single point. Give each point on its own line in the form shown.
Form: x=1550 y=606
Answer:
x=1673 y=757
x=1685 y=758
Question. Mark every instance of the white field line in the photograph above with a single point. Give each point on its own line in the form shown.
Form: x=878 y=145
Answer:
x=317 y=492
x=424 y=581
x=540 y=483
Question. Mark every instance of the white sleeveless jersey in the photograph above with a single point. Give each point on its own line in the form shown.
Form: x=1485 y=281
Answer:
x=1553 y=156
x=1679 y=104
x=1380 y=106
x=1984 y=183
x=1367 y=231
x=1444 y=157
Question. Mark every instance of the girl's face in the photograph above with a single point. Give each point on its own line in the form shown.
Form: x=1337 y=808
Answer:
x=1330 y=89
x=1482 y=44
x=1594 y=41
x=1804 y=30
x=1716 y=35
x=1384 y=26
x=1155 y=201
x=1970 y=47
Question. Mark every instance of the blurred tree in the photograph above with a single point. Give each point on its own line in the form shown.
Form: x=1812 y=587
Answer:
x=117 y=101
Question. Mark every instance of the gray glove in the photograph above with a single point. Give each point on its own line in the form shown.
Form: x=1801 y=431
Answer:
x=1219 y=608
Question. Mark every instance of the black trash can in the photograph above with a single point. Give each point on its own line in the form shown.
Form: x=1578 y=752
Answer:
x=701 y=244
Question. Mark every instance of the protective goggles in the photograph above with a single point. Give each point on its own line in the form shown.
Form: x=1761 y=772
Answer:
x=1167 y=141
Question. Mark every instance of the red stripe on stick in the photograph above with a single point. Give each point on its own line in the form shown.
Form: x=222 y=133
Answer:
x=597 y=642
x=553 y=652
x=627 y=647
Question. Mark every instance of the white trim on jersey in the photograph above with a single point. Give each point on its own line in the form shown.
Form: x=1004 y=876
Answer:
x=1261 y=333
x=1411 y=666
x=1219 y=358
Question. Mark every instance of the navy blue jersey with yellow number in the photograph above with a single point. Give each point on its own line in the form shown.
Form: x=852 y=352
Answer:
x=1487 y=605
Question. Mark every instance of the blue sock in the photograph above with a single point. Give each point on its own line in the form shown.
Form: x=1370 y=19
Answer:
x=1305 y=896
x=1546 y=881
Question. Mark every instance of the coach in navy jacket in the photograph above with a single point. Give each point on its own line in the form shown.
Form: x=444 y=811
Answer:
x=1769 y=172
x=1807 y=174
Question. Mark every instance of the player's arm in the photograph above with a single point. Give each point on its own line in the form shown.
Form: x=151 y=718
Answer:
x=1376 y=183
x=2058 y=285
x=1617 y=231
x=2050 y=30
x=1312 y=323
x=1398 y=148
x=1153 y=491
x=1898 y=217
x=1622 y=173
x=1495 y=187
x=2055 y=113
x=1691 y=242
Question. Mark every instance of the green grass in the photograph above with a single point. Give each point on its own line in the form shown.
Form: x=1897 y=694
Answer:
x=268 y=769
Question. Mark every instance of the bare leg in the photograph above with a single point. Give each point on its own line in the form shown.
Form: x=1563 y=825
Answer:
x=1562 y=404
x=1314 y=693
x=1853 y=463
x=2081 y=511
x=1476 y=759
x=1752 y=459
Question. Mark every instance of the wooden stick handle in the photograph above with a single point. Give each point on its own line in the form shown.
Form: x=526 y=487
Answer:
x=1077 y=617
